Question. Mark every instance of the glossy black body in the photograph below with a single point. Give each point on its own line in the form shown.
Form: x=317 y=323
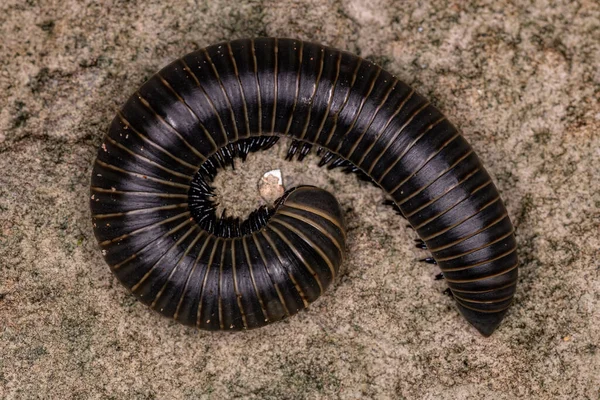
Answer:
x=318 y=95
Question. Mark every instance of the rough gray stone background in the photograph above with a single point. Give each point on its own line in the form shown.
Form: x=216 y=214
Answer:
x=521 y=79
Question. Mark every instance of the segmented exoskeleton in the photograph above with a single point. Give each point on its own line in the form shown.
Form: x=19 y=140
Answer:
x=152 y=205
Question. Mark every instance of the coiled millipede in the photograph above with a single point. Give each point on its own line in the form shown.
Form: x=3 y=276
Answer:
x=153 y=210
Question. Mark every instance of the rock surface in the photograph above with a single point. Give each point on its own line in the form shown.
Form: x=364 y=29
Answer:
x=523 y=84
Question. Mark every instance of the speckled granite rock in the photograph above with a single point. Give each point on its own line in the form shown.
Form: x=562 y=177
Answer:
x=523 y=84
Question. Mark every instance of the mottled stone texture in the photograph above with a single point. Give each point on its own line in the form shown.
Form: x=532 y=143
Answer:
x=521 y=80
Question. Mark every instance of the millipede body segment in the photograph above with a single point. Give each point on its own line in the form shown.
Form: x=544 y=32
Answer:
x=152 y=203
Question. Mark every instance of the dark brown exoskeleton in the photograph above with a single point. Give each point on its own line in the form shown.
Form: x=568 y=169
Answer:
x=152 y=203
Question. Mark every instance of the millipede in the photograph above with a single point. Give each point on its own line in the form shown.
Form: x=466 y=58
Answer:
x=154 y=211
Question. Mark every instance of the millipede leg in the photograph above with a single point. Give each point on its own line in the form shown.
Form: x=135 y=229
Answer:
x=292 y=150
x=304 y=150
x=419 y=244
x=391 y=203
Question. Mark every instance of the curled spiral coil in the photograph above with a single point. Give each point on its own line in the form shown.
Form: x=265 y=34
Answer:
x=152 y=203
